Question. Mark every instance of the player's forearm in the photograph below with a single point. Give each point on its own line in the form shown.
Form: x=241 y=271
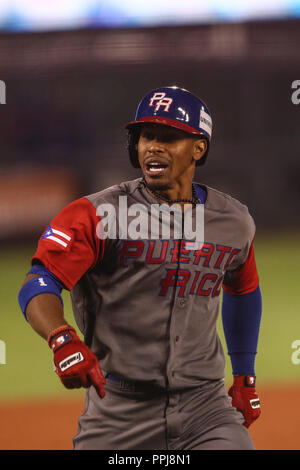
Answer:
x=241 y=315
x=44 y=312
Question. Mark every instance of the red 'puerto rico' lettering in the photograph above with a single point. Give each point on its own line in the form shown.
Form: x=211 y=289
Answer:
x=178 y=248
x=131 y=249
x=223 y=249
x=181 y=277
x=188 y=282
x=150 y=259
x=205 y=278
x=206 y=252
x=157 y=251
x=232 y=254
x=174 y=277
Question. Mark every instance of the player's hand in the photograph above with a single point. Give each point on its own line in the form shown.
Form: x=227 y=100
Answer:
x=76 y=365
x=245 y=398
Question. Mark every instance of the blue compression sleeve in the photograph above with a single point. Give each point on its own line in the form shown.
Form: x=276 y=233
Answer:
x=47 y=283
x=241 y=315
x=42 y=271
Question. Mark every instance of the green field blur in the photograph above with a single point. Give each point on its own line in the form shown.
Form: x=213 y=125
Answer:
x=28 y=371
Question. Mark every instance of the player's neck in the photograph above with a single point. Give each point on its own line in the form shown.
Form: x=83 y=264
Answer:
x=177 y=195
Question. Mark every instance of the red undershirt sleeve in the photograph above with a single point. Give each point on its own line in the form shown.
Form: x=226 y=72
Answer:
x=244 y=279
x=70 y=246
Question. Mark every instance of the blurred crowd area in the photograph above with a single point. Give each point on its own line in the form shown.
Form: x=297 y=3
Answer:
x=69 y=95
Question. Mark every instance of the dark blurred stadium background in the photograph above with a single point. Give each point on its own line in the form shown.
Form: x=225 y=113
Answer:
x=69 y=94
x=71 y=87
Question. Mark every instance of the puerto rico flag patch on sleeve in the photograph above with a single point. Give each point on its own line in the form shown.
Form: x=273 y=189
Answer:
x=58 y=237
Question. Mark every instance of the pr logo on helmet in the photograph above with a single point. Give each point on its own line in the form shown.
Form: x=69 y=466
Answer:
x=160 y=99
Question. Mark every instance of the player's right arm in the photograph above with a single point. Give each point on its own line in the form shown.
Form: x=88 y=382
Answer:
x=66 y=250
x=44 y=312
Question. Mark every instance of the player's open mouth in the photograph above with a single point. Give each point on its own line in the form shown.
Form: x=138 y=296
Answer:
x=156 y=168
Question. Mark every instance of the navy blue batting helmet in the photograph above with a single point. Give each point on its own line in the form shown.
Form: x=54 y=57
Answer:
x=170 y=106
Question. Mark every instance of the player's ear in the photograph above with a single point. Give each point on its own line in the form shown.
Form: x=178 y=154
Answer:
x=199 y=148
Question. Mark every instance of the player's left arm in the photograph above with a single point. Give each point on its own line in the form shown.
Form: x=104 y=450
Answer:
x=241 y=316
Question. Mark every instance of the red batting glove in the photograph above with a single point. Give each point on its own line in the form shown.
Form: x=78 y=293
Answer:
x=245 y=398
x=76 y=365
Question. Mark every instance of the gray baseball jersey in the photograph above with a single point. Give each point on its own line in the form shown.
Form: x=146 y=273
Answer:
x=146 y=306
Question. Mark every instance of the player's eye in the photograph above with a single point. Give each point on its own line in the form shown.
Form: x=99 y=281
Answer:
x=148 y=135
x=168 y=137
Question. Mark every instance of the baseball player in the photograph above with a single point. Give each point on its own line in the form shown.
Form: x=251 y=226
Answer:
x=146 y=303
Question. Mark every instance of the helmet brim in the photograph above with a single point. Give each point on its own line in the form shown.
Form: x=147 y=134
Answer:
x=165 y=121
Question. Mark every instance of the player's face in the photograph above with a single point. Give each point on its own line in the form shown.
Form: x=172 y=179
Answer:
x=168 y=155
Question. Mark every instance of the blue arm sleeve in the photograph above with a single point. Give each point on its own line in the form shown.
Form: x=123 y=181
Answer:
x=47 y=283
x=241 y=316
x=42 y=271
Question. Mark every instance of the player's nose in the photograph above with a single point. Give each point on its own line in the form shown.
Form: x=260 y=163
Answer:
x=155 y=145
